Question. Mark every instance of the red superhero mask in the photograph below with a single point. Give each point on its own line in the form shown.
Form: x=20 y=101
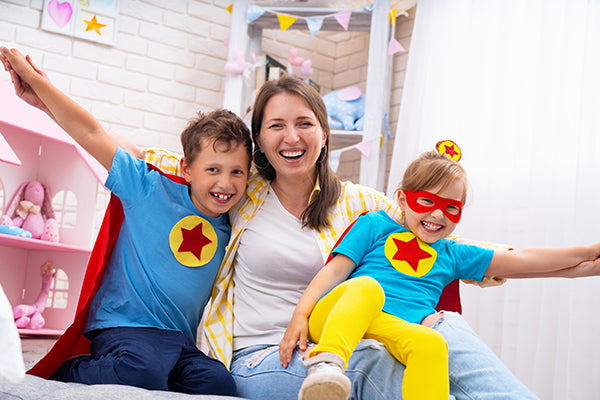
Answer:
x=422 y=201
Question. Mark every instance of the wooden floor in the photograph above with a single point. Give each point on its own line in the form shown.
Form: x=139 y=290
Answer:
x=35 y=347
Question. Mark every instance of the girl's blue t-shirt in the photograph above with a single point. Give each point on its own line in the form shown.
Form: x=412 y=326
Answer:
x=412 y=273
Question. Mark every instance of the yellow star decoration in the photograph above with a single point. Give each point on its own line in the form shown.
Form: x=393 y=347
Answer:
x=94 y=25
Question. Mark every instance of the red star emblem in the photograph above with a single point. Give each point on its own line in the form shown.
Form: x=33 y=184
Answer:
x=193 y=241
x=450 y=150
x=410 y=252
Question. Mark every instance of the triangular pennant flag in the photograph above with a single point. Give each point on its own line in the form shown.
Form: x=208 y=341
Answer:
x=395 y=47
x=334 y=159
x=229 y=8
x=254 y=12
x=365 y=148
x=285 y=21
x=392 y=17
x=343 y=18
x=314 y=25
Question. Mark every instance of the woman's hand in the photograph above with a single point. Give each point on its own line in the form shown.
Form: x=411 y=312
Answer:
x=297 y=331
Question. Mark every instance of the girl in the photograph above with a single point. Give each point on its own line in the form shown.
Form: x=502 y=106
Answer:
x=396 y=274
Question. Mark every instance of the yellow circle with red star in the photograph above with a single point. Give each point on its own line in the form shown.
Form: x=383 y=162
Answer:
x=449 y=149
x=409 y=254
x=193 y=241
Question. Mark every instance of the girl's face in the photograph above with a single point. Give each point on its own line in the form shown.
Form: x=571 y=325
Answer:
x=291 y=137
x=431 y=226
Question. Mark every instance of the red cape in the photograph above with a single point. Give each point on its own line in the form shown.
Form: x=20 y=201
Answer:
x=72 y=342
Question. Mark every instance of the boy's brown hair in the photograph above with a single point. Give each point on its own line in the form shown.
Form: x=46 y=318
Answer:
x=219 y=126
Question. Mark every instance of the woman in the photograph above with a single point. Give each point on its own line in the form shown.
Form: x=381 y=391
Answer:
x=293 y=212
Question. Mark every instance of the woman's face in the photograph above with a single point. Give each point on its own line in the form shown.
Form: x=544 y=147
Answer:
x=291 y=137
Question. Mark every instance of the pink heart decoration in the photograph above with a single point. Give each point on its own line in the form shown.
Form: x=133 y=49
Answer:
x=236 y=65
x=306 y=68
x=60 y=12
x=294 y=58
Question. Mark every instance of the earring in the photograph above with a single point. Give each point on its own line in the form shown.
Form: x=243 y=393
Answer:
x=260 y=155
x=322 y=155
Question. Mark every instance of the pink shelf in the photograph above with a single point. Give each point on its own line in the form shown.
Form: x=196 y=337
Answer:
x=35 y=244
x=41 y=332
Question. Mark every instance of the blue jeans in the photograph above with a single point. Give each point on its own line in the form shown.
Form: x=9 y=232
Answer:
x=149 y=358
x=475 y=371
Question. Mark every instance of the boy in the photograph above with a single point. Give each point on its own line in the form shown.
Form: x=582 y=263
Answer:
x=142 y=321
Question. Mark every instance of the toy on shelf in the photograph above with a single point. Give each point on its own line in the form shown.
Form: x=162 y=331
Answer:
x=14 y=231
x=25 y=314
x=345 y=109
x=31 y=209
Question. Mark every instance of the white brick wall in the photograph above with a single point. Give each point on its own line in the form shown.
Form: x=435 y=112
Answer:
x=168 y=63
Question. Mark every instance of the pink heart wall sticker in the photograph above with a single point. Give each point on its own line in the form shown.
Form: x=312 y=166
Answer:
x=60 y=12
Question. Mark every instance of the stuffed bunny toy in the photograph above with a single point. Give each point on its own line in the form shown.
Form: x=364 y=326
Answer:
x=25 y=314
x=31 y=210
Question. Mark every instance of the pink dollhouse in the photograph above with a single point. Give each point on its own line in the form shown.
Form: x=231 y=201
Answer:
x=33 y=147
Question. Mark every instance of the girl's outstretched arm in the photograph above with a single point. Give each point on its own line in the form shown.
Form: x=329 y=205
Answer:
x=73 y=118
x=333 y=273
x=567 y=262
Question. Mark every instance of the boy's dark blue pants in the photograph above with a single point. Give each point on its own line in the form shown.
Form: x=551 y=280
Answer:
x=149 y=358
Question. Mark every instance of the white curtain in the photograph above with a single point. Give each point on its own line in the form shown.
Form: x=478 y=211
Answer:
x=516 y=83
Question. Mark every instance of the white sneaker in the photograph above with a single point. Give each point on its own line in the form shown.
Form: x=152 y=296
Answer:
x=325 y=381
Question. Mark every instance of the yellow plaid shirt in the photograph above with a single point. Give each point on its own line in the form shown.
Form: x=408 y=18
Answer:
x=355 y=200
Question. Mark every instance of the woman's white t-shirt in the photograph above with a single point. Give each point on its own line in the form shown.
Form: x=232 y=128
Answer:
x=276 y=260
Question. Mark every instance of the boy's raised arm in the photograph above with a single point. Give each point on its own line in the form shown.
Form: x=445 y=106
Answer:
x=73 y=118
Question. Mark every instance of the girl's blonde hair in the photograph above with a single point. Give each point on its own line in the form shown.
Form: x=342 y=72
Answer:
x=433 y=169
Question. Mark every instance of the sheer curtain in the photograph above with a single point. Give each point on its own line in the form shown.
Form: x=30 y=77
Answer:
x=516 y=83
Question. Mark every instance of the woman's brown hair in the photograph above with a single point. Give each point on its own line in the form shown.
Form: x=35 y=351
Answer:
x=315 y=215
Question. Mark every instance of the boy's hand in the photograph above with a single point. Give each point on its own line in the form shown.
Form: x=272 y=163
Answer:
x=22 y=89
x=297 y=331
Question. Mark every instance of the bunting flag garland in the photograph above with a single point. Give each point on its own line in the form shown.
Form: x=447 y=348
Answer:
x=254 y=12
x=229 y=8
x=365 y=147
x=285 y=21
x=314 y=25
x=334 y=159
x=392 y=16
x=343 y=18
x=395 y=47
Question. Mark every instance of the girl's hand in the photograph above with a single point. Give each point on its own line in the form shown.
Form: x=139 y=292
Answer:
x=585 y=268
x=297 y=331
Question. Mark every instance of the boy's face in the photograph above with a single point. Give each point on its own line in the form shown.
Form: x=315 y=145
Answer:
x=431 y=226
x=217 y=177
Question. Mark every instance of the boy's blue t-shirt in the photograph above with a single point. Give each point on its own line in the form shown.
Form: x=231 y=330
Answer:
x=412 y=273
x=166 y=258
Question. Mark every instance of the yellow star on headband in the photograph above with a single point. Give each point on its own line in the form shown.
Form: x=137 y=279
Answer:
x=449 y=149
x=94 y=25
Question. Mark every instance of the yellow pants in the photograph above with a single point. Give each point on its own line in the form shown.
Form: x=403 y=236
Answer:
x=353 y=310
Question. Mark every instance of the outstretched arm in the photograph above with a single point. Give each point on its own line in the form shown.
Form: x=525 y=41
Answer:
x=25 y=92
x=329 y=276
x=567 y=262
